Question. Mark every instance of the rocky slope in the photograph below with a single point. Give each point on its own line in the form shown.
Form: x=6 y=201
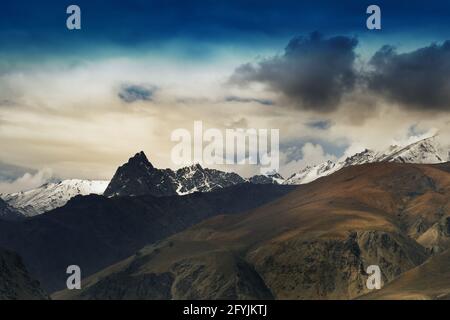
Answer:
x=314 y=243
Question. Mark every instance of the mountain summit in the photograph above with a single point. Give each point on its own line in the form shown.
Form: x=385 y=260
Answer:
x=138 y=177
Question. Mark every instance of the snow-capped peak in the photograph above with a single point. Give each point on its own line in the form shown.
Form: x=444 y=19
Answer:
x=52 y=195
x=139 y=177
x=427 y=150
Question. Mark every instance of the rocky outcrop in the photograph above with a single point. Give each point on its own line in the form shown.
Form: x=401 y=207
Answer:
x=437 y=237
x=334 y=268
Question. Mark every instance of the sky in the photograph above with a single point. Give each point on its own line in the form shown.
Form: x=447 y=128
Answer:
x=78 y=103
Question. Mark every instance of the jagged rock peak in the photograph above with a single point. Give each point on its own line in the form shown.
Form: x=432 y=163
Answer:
x=140 y=158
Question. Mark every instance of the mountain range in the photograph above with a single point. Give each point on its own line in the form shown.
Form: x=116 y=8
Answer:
x=426 y=150
x=315 y=242
x=197 y=233
x=138 y=176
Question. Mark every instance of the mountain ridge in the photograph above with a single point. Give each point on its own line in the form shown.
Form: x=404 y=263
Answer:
x=138 y=176
x=426 y=151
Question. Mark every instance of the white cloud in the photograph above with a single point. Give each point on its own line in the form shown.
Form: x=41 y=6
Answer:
x=26 y=182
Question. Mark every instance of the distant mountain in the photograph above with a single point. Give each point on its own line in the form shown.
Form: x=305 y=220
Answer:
x=314 y=243
x=138 y=177
x=9 y=213
x=95 y=231
x=311 y=173
x=15 y=282
x=52 y=195
x=425 y=151
x=274 y=178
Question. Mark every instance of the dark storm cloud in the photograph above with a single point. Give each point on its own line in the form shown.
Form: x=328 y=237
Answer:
x=418 y=80
x=132 y=93
x=313 y=73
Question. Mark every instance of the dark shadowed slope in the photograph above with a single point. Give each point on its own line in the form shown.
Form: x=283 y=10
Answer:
x=15 y=282
x=94 y=231
x=314 y=243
